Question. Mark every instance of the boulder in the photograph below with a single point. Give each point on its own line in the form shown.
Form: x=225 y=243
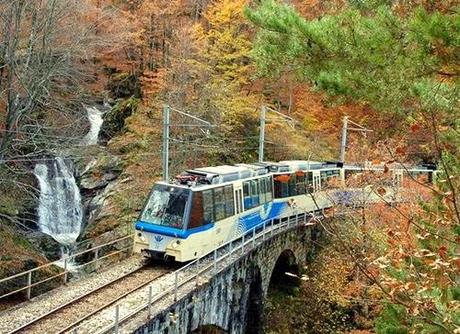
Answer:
x=114 y=120
x=49 y=247
x=99 y=172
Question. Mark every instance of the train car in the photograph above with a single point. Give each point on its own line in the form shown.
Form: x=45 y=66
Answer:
x=207 y=207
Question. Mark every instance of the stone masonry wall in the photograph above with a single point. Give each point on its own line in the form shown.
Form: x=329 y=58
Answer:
x=223 y=300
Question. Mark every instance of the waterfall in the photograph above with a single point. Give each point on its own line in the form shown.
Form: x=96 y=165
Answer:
x=95 y=121
x=60 y=212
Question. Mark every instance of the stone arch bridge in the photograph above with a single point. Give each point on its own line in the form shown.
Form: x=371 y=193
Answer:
x=230 y=294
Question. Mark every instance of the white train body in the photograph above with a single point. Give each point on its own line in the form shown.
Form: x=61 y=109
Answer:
x=208 y=207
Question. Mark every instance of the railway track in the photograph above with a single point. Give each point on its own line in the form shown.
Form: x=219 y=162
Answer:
x=69 y=315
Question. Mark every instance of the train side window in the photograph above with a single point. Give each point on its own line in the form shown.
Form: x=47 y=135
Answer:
x=262 y=191
x=246 y=196
x=208 y=207
x=282 y=186
x=219 y=203
x=323 y=175
x=229 y=203
x=268 y=189
x=278 y=189
x=292 y=185
x=300 y=183
x=255 y=193
x=197 y=213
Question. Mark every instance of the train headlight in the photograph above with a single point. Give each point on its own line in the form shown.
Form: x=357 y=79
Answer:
x=176 y=244
x=141 y=237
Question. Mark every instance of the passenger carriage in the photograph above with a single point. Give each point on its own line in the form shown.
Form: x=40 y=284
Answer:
x=207 y=207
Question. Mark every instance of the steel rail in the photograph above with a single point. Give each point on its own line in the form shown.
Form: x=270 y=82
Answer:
x=243 y=242
x=99 y=309
x=73 y=301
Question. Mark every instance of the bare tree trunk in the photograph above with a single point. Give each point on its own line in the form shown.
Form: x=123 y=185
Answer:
x=41 y=47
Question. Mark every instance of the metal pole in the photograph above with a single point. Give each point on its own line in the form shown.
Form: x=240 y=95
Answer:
x=197 y=278
x=254 y=237
x=343 y=144
x=215 y=261
x=263 y=110
x=242 y=245
x=176 y=283
x=29 y=283
x=264 y=228
x=65 y=271
x=96 y=259
x=150 y=301
x=165 y=142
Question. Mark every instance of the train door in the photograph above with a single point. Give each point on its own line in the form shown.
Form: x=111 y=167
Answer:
x=238 y=198
x=316 y=181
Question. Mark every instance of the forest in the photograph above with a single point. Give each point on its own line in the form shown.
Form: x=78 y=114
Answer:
x=83 y=85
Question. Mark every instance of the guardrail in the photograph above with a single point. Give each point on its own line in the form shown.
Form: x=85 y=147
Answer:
x=259 y=233
x=26 y=278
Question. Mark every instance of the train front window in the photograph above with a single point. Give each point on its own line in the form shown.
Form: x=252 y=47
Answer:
x=166 y=206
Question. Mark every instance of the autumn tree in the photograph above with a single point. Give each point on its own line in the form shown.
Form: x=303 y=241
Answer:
x=402 y=61
x=224 y=46
x=46 y=50
x=42 y=46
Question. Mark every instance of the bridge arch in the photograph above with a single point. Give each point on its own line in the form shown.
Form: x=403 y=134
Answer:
x=286 y=271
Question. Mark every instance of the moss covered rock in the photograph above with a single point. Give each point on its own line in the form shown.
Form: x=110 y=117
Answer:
x=114 y=120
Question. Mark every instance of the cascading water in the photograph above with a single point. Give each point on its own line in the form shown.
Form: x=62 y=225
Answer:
x=60 y=207
x=60 y=211
x=95 y=121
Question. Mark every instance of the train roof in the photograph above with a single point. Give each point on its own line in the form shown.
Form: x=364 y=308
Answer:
x=209 y=176
x=310 y=164
x=257 y=169
x=274 y=166
x=219 y=170
x=395 y=166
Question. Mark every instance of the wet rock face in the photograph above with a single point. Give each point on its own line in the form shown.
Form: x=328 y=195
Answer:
x=100 y=172
x=114 y=120
x=50 y=248
x=98 y=181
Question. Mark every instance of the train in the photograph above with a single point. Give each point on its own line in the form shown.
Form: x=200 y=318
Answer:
x=204 y=208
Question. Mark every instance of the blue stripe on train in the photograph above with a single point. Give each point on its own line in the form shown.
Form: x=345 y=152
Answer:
x=170 y=231
x=265 y=212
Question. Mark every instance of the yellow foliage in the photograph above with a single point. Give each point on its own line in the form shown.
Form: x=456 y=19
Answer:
x=225 y=44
